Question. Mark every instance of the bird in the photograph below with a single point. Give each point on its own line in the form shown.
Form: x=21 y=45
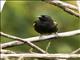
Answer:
x=45 y=25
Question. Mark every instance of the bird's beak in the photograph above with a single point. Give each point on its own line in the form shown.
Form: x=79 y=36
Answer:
x=39 y=17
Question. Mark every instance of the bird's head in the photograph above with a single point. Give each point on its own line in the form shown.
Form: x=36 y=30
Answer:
x=45 y=18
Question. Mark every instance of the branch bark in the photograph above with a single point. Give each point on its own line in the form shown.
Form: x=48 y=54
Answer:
x=22 y=40
x=37 y=38
x=77 y=50
x=37 y=55
x=78 y=4
x=65 y=6
x=2 y=51
x=2 y=4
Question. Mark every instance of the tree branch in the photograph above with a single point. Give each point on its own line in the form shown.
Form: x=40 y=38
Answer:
x=22 y=40
x=37 y=55
x=76 y=51
x=65 y=6
x=2 y=51
x=78 y=4
x=37 y=38
x=2 y=4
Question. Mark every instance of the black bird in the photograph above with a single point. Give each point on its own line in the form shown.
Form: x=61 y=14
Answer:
x=45 y=25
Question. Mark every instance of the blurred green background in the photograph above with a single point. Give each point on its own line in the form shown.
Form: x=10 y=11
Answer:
x=17 y=19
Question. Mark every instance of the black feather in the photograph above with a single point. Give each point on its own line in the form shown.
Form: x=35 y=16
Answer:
x=45 y=25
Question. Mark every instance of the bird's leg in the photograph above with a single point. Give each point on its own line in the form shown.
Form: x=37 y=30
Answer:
x=41 y=36
x=56 y=33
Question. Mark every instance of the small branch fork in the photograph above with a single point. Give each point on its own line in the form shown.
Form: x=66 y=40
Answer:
x=22 y=40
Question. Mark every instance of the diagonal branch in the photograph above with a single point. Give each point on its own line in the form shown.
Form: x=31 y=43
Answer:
x=2 y=2
x=22 y=40
x=65 y=6
x=37 y=38
x=77 y=50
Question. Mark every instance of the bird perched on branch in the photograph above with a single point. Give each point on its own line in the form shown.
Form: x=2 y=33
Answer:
x=45 y=25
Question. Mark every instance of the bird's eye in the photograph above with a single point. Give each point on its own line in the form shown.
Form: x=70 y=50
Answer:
x=43 y=15
x=40 y=18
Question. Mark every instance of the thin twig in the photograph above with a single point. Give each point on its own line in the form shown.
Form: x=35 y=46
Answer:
x=20 y=58
x=48 y=45
x=76 y=51
x=36 y=47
